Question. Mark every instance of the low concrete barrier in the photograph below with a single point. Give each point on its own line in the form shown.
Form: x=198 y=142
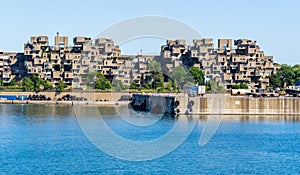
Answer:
x=242 y=106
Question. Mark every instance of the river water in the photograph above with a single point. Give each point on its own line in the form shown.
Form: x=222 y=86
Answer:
x=37 y=139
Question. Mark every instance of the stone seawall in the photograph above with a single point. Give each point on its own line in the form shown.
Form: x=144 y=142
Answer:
x=91 y=96
x=242 y=106
x=202 y=105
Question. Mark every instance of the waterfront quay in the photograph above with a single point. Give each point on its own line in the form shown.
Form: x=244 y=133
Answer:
x=211 y=104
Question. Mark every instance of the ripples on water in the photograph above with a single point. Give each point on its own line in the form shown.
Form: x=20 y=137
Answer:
x=48 y=140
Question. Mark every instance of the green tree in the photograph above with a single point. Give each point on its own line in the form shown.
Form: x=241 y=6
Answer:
x=61 y=86
x=89 y=78
x=296 y=70
x=37 y=82
x=286 y=75
x=47 y=84
x=175 y=85
x=147 y=86
x=1 y=82
x=102 y=82
x=243 y=86
x=96 y=80
x=12 y=83
x=236 y=86
x=133 y=85
x=27 y=84
x=213 y=86
x=169 y=86
x=197 y=74
x=158 y=81
x=118 y=85
x=156 y=78
x=159 y=86
x=154 y=66
x=181 y=76
x=276 y=80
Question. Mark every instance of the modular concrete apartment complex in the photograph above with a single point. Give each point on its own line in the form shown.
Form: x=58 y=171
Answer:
x=244 y=63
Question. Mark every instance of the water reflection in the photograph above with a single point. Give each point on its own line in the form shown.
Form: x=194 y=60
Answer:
x=44 y=111
x=33 y=110
x=261 y=118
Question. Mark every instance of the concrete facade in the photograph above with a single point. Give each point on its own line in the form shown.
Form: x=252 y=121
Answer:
x=244 y=62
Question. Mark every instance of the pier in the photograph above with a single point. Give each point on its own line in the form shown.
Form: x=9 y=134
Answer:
x=215 y=105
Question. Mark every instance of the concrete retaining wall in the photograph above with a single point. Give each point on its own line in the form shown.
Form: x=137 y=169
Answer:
x=203 y=105
x=108 y=96
x=242 y=105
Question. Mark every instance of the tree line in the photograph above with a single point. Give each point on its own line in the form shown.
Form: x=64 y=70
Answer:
x=156 y=80
x=286 y=76
x=33 y=83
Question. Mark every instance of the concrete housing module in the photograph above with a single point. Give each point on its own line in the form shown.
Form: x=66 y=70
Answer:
x=243 y=63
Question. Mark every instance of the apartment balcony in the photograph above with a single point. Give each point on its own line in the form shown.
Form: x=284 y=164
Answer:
x=251 y=66
x=264 y=80
x=220 y=51
x=5 y=75
x=76 y=67
x=48 y=66
x=68 y=75
x=203 y=49
x=57 y=75
x=49 y=78
x=38 y=61
x=128 y=67
x=207 y=66
x=222 y=59
x=42 y=39
x=67 y=81
x=227 y=77
x=87 y=48
x=67 y=62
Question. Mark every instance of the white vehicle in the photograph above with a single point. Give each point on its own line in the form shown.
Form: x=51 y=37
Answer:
x=240 y=91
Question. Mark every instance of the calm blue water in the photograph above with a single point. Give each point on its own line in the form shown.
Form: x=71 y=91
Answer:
x=48 y=140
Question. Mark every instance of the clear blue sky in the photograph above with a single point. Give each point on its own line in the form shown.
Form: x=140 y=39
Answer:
x=274 y=24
